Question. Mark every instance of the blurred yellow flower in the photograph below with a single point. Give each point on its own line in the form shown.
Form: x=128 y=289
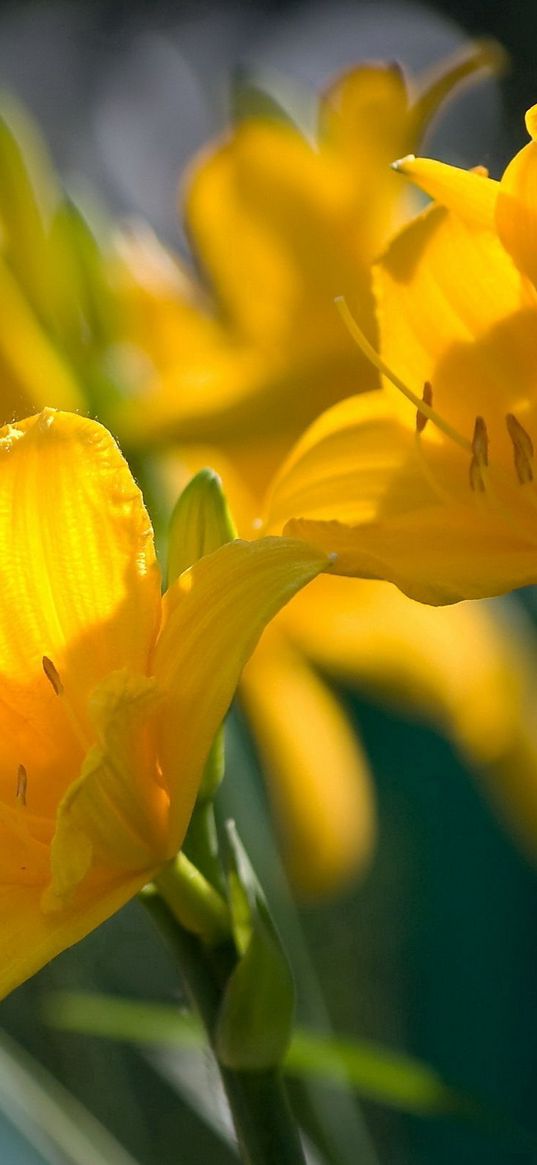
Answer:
x=429 y=482
x=279 y=226
x=111 y=696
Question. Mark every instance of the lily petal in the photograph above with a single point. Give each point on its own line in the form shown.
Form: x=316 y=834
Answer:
x=114 y=815
x=216 y=612
x=454 y=311
x=516 y=216
x=319 y=778
x=361 y=487
x=29 y=938
x=289 y=212
x=441 y=82
x=364 y=122
x=79 y=586
x=471 y=193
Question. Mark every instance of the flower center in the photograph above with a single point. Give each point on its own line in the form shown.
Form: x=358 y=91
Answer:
x=478 y=447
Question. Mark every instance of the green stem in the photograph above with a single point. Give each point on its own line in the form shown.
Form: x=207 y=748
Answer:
x=201 y=844
x=266 y=1131
x=193 y=901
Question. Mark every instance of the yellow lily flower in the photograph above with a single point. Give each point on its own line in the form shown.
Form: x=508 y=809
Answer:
x=111 y=696
x=305 y=225
x=429 y=481
x=229 y=376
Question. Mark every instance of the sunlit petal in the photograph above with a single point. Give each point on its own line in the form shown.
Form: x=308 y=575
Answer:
x=468 y=192
x=517 y=204
x=113 y=817
x=216 y=612
x=79 y=586
x=361 y=486
x=454 y=311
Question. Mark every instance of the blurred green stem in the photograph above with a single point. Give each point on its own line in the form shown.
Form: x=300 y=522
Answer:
x=266 y=1130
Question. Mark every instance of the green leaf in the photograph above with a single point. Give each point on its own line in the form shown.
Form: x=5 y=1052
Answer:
x=47 y=1115
x=391 y=1078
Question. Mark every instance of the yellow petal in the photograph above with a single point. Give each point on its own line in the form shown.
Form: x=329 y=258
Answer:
x=79 y=585
x=346 y=461
x=445 y=79
x=516 y=214
x=468 y=192
x=359 y=485
x=113 y=819
x=289 y=212
x=454 y=311
x=29 y=938
x=364 y=123
x=216 y=612
x=318 y=776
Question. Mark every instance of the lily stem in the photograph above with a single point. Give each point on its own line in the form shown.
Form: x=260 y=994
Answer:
x=266 y=1130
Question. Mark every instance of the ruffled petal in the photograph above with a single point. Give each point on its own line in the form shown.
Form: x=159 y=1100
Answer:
x=318 y=776
x=216 y=612
x=113 y=820
x=79 y=586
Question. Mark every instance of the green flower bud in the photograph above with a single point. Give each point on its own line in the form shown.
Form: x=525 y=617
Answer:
x=200 y=523
x=256 y=1014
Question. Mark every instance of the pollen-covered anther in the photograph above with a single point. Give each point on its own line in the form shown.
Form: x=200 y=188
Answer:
x=522 y=449
x=427 y=398
x=52 y=675
x=480 y=456
x=22 y=785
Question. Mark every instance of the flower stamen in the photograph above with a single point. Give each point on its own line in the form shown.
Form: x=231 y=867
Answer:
x=420 y=403
x=22 y=785
x=480 y=456
x=52 y=675
x=427 y=398
x=54 y=679
x=522 y=449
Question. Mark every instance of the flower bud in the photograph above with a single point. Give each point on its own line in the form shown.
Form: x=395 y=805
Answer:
x=200 y=523
x=256 y=1013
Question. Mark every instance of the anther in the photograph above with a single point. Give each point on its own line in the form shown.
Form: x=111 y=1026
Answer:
x=22 y=784
x=480 y=455
x=522 y=449
x=52 y=675
x=427 y=398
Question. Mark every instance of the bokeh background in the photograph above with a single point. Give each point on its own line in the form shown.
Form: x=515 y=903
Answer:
x=434 y=952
